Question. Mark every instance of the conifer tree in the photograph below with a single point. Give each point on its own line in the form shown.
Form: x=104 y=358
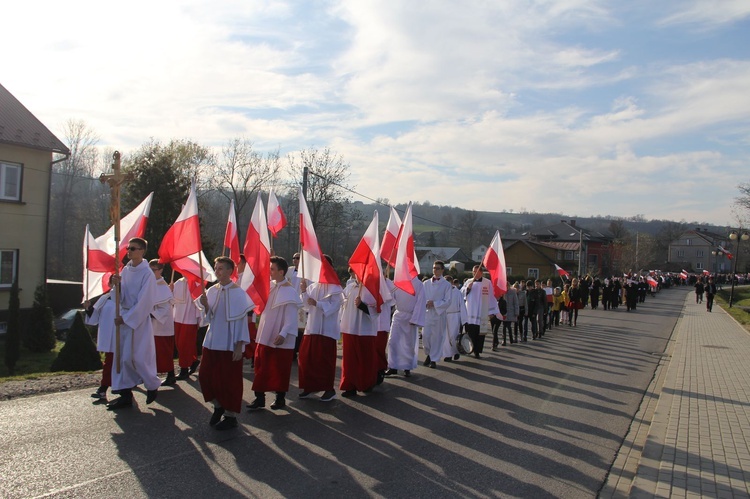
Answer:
x=79 y=352
x=40 y=337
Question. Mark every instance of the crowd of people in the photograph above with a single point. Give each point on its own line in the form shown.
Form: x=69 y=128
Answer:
x=306 y=321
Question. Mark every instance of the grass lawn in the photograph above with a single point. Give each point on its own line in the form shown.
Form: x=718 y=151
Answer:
x=740 y=305
x=30 y=365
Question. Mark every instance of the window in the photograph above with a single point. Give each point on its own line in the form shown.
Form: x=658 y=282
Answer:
x=688 y=242
x=534 y=273
x=8 y=267
x=10 y=181
x=680 y=252
x=593 y=260
x=699 y=253
x=568 y=255
x=699 y=266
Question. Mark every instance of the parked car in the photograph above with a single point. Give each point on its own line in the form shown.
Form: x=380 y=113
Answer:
x=64 y=322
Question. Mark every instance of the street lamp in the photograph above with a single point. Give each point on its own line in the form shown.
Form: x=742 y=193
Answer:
x=580 y=249
x=744 y=237
x=717 y=254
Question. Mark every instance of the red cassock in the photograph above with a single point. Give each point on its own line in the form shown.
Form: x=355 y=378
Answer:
x=273 y=367
x=317 y=363
x=359 y=364
x=221 y=379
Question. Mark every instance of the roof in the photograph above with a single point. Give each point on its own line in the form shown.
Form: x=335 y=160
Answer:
x=565 y=231
x=19 y=127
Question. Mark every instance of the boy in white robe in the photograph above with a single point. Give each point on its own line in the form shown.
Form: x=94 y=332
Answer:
x=103 y=316
x=224 y=308
x=186 y=317
x=456 y=317
x=137 y=355
x=480 y=305
x=435 y=331
x=162 y=323
x=403 y=342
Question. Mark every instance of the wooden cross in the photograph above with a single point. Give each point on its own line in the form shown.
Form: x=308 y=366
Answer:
x=115 y=180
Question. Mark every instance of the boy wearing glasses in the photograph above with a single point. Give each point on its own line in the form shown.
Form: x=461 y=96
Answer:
x=137 y=352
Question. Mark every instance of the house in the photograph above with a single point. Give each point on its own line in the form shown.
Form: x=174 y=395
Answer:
x=699 y=249
x=26 y=159
x=579 y=251
x=427 y=255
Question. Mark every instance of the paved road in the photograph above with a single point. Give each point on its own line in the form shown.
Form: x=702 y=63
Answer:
x=541 y=419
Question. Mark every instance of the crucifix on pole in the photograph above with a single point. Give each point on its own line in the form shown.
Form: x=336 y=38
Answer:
x=115 y=180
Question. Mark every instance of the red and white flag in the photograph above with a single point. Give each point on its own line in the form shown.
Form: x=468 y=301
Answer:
x=406 y=266
x=365 y=262
x=561 y=272
x=276 y=218
x=96 y=281
x=684 y=274
x=390 y=238
x=313 y=266
x=706 y=272
x=652 y=282
x=232 y=238
x=184 y=237
x=190 y=268
x=99 y=253
x=726 y=252
x=256 y=279
x=494 y=262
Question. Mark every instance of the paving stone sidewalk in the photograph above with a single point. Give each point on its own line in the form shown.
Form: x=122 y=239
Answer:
x=698 y=442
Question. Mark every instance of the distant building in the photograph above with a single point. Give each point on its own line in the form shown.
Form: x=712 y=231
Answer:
x=426 y=256
x=26 y=149
x=698 y=249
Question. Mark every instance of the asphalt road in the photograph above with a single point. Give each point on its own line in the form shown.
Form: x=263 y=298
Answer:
x=539 y=419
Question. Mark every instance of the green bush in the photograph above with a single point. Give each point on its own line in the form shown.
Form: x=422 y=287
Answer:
x=79 y=352
x=40 y=336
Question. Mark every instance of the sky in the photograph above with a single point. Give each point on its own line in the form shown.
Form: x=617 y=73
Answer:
x=582 y=107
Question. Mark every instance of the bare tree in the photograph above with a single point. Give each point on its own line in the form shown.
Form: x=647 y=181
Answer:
x=242 y=173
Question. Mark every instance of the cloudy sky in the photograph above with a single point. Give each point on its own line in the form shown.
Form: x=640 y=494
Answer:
x=584 y=107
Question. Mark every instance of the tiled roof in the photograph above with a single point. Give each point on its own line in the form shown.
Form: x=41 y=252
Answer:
x=19 y=127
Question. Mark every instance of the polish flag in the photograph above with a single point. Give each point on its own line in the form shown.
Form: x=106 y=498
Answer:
x=390 y=238
x=99 y=253
x=256 y=279
x=95 y=282
x=652 y=282
x=684 y=274
x=725 y=251
x=312 y=264
x=365 y=263
x=406 y=266
x=494 y=262
x=276 y=218
x=131 y=225
x=184 y=237
x=190 y=268
x=706 y=272
x=561 y=272
x=232 y=238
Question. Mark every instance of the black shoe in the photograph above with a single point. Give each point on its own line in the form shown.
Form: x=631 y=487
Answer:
x=476 y=355
x=407 y=373
x=503 y=343
x=328 y=395
x=227 y=424
x=433 y=365
x=380 y=378
x=194 y=367
x=169 y=380
x=391 y=372
x=279 y=403
x=258 y=403
x=495 y=349
x=100 y=393
x=151 y=396
x=216 y=416
x=427 y=361
x=349 y=393
x=184 y=374
x=457 y=356
x=304 y=395
x=447 y=359
x=120 y=403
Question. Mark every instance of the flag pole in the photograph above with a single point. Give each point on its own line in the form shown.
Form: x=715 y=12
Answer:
x=86 y=292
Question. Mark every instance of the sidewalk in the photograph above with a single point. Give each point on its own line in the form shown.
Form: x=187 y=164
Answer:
x=694 y=424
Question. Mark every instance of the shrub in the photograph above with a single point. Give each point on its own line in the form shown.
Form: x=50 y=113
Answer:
x=40 y=336
x=13 y=336
x=79 y=352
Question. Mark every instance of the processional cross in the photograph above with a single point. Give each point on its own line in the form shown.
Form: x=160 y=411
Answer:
x=115 y=180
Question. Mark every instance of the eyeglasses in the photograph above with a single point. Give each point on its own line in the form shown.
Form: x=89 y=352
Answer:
x=134 y=248
x=295 y=258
